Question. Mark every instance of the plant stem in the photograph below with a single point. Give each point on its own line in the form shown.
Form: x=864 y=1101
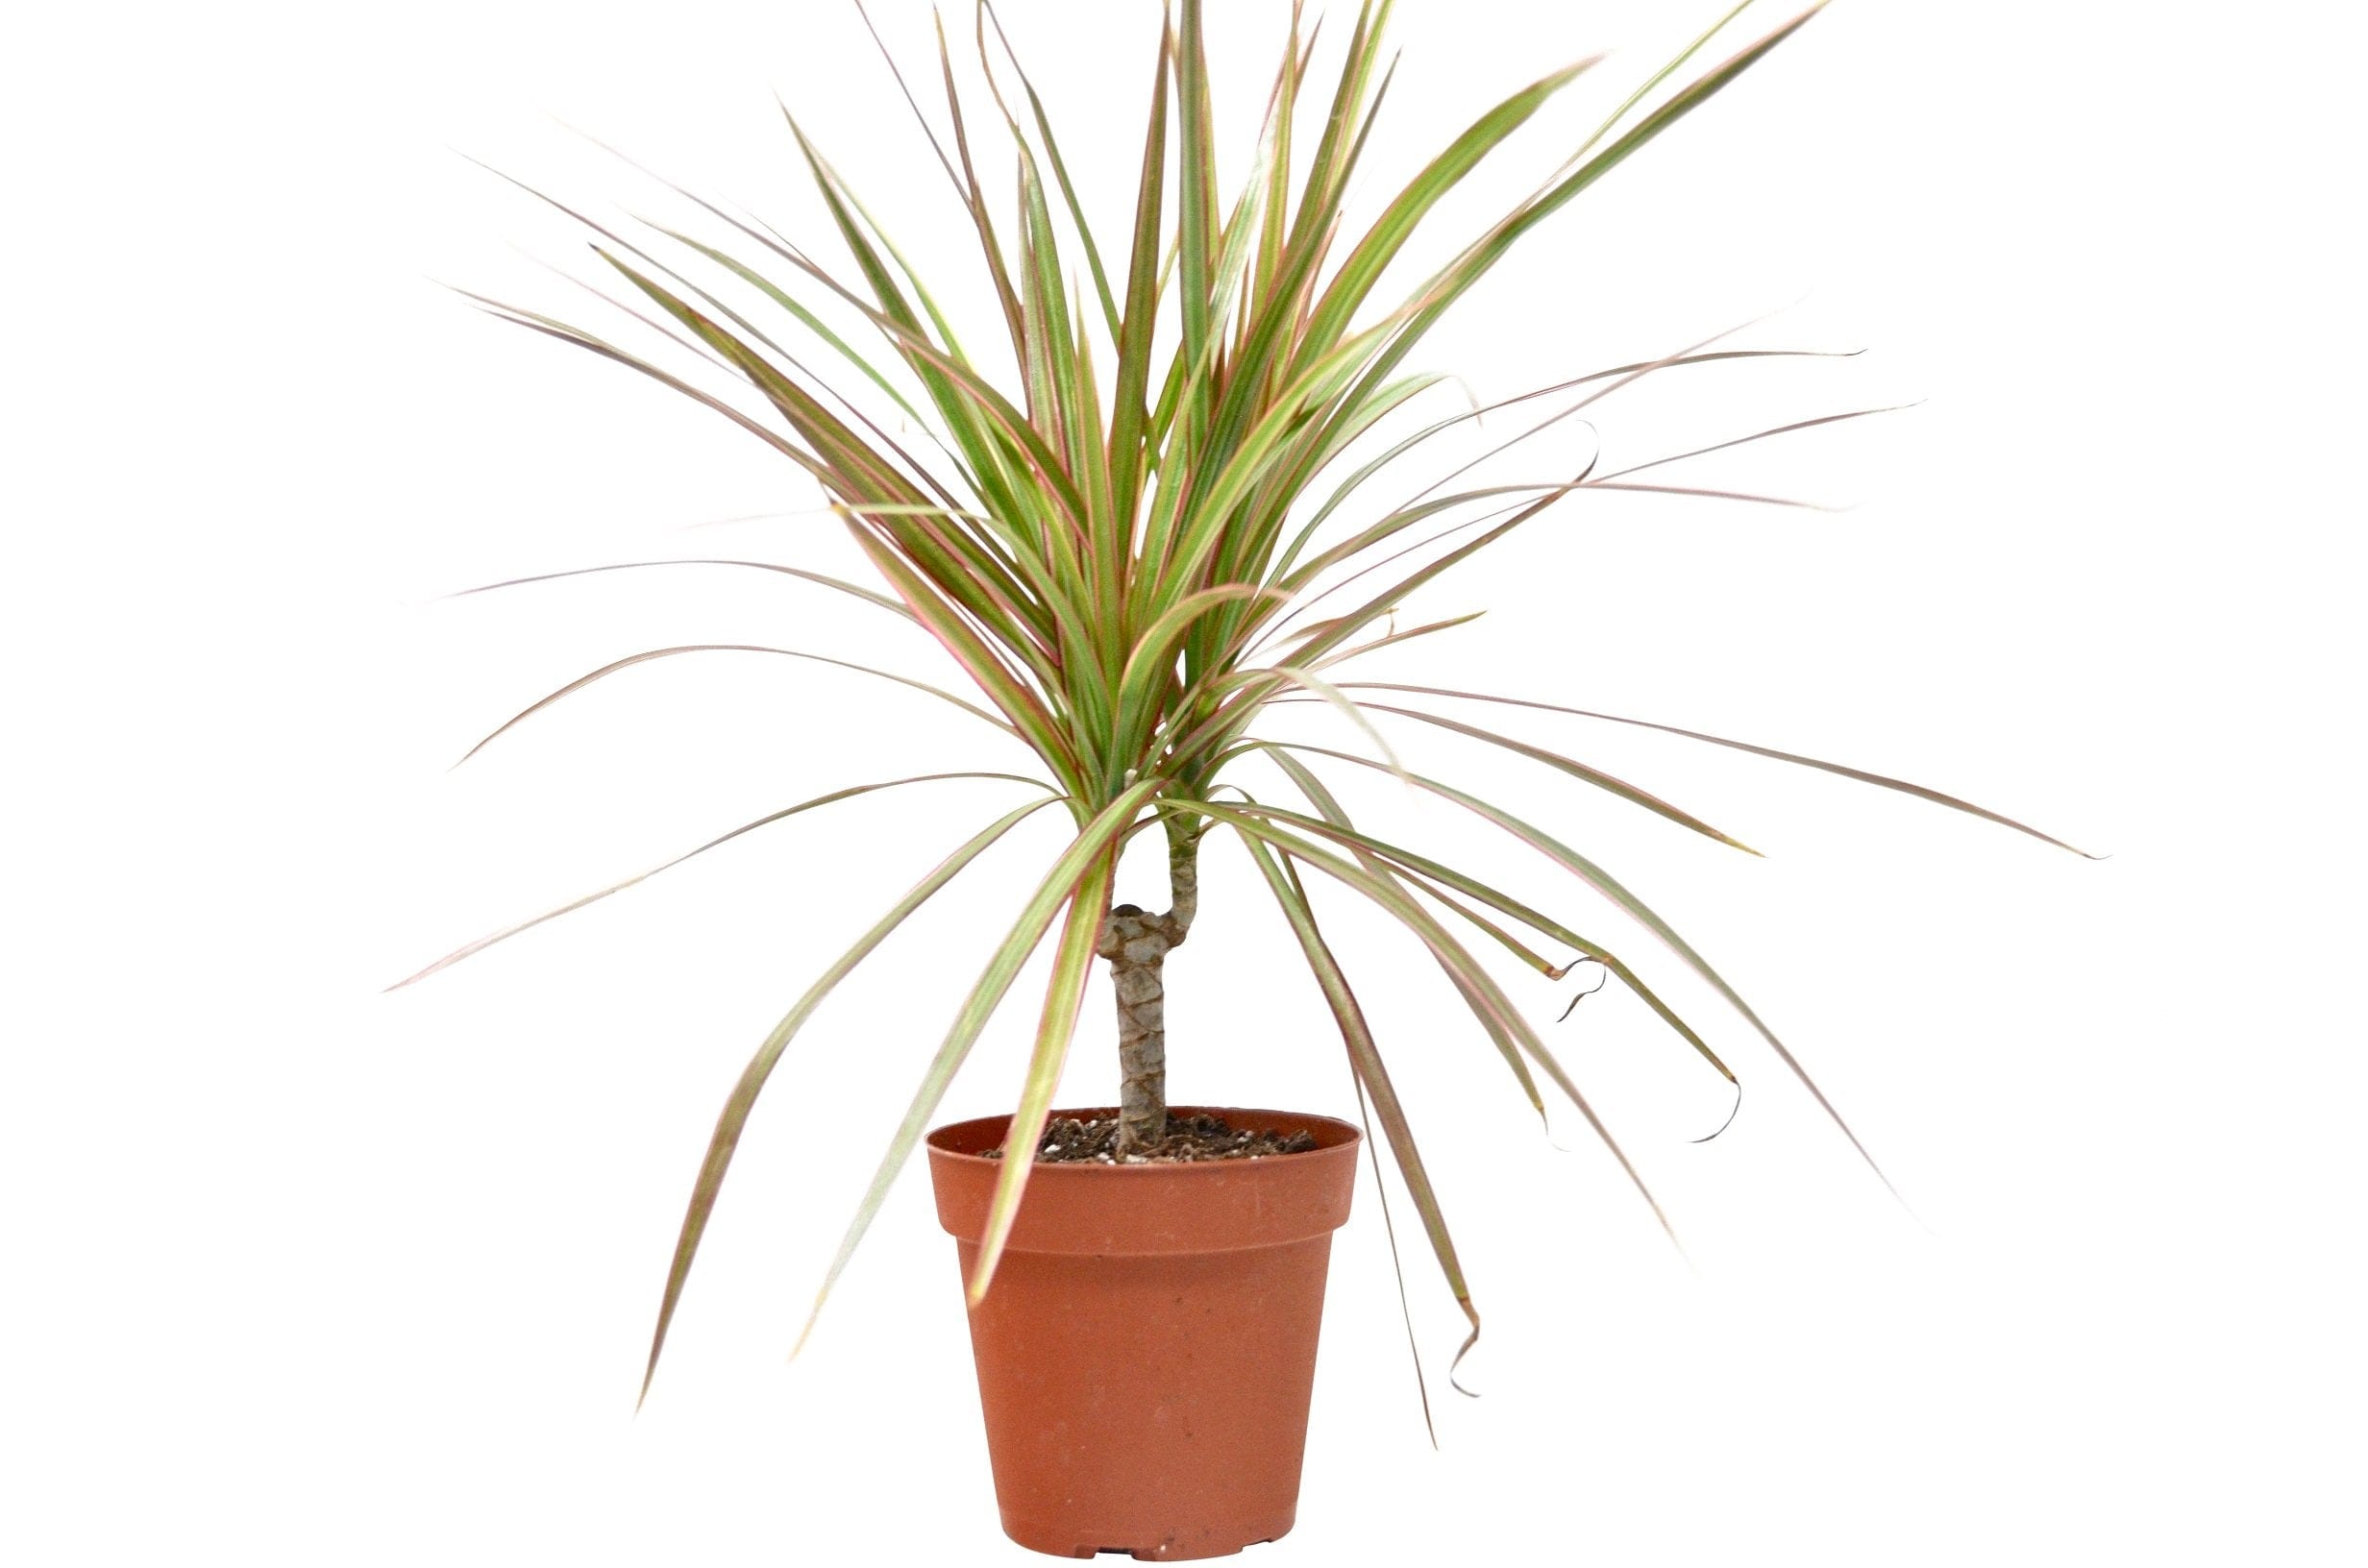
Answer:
x=1137 y=945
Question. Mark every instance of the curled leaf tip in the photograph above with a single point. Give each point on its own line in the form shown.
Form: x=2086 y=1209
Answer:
x=1731 y=1112
x=1603 y=975
x=1470 y=1339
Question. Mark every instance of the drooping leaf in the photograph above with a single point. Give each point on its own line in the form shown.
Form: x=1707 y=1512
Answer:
x=867 y=596
x=1071 y=958
x=628 y=662
x=1859 y=775
x=483 y=942
x=725 y=1140
x=1323 y=800
x=1060 y=888
x=1248 y=823
x=1110 y=564
x=1373 y=1080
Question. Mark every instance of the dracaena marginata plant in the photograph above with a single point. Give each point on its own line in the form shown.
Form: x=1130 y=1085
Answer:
x=1165 y=527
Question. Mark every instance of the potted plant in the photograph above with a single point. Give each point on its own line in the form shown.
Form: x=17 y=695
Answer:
x=1164 y=529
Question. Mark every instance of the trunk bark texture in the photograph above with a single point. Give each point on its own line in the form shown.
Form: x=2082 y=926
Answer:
x=1136 y=943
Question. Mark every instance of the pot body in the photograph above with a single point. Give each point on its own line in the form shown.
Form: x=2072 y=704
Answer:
x=1147 y=1350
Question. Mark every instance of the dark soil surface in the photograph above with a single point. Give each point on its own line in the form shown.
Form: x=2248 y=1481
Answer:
x=1189 y=1138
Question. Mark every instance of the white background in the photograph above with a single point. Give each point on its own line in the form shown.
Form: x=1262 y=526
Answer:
x=302 y=1274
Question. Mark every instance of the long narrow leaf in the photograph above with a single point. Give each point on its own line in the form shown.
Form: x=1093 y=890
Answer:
x=1433 y=935
x=878 y=601
x=1059 y=887
x=1880 y=780
x=1021 y=705
x=1373 y=1078
x=1131 y=574
x=1575 y=768
x=627 y=663
x=1060 y=176
x=1071 y=958
x=1745 y=440
x=1324 y=801
x=508 y=931
x=1422 y=866
x=726 y=1139
x=1603 y=882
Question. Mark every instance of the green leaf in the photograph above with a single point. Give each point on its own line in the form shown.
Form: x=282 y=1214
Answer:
x=1109 y=575
x=1373 y=1079
x=1603 y=882
x=1700 y=493
x=510 y=931
x=1575 y=768
x=1060 y=176
x=990 y=249
x=1021 y=705
x=878 y=600
x=1880 y=780
x=1062 y=885
x=1645 y=89
x=1196 y=220
x=1150 y=663
x=1072 y=959
x=579 y=339
x=1428 y=628
x=1398 y=222
x=1323 y=800
x=1434 y=937
x=1422 y=866
x=1338 y=700
x=627 y=663
x=1128 y=416
x=1623 y=374
x=1452 y=282
x=1604 y=479
x=798 y=311
x=726 y=1139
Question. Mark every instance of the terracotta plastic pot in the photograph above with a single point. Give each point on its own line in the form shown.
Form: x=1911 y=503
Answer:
x=1147 y=1350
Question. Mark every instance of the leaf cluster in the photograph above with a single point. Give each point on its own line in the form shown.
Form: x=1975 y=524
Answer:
x=1149 y=530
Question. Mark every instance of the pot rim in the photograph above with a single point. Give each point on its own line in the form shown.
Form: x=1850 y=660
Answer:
x=1347 y=1136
